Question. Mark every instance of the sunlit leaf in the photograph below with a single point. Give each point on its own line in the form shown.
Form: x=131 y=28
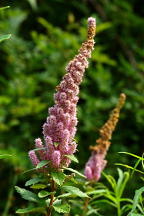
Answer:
x=4 y=37
x=72 y=157
x=26 y=194
x=58 y=177
x=64 y=208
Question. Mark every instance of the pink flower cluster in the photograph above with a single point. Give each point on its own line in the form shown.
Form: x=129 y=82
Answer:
x=94 y=166
x=60 y=127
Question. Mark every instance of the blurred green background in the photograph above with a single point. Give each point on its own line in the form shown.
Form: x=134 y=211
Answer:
x=46 y=35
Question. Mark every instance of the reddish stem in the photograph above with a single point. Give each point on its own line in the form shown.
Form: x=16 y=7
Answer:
x=51 y=199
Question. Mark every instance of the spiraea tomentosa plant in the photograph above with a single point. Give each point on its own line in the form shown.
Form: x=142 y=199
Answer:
x=60 y=127
x=97 y=161
x=52 y=158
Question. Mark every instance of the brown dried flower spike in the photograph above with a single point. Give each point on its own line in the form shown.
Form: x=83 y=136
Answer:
x=97 y=161
x=106 y=131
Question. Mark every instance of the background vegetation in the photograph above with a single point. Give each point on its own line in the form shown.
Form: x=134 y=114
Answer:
x=45 y=36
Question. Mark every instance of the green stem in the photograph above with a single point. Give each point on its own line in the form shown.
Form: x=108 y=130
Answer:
x=10 y=196
x=118 y=208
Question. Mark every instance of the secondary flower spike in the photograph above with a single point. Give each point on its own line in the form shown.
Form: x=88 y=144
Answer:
x=60 y=127
x=97 y=161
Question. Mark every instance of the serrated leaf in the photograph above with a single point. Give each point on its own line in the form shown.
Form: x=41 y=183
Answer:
x=57 y=202
x=38 y=186
x=75 y=191
x=74 y=171
x=27 y=195
x=42 y=164
x=30 y=210
x=5 y=37
x=33 y=181
x=43 y=194
x=72 y=157
x=58 y=177
x=65 y=208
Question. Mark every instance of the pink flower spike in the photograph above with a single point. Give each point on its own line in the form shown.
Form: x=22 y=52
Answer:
x=33 y=158
x=96 y=163
x=61 y=124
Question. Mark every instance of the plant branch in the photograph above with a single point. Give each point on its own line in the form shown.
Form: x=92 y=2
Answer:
x=52 y=198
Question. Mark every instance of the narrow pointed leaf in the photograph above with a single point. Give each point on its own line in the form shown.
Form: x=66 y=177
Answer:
x=5 y=156
x=30 y=210
x=74 y=171
x=43 y=194
x=42 y=164
x=4 y=37
x=73 y=158
x=3 y=8
x=38 y=186
x=75 y=191
x=27 y=195
x=33 y=181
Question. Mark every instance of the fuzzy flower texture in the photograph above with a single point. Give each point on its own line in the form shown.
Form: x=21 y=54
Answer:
x=97 y=161
x=60 y=127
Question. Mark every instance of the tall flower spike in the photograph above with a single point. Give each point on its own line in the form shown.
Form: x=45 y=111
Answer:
x=96 y=163
x=60 y=127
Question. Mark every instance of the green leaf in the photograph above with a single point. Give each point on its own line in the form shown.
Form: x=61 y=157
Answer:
x=129 y=167
x=42 y=164
x=30 y=210
x=99 y=191
x=5 y=37
x=38 y=186
x=64 y=195
x=43 y=194
x=33 y=181
x=121 y=183
x=3 y=8
x=110 y=179
x=133 y=214
x=58 y=177
x=135 y=166
x=30 y=170
x=74 y=171
x=133 y=155
x=5 y=156
x=56 y=144
x=65 y=208
x=75 y=191
x=136 y=200
x=33 y=4
x=72 y=157
x=27 y=195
